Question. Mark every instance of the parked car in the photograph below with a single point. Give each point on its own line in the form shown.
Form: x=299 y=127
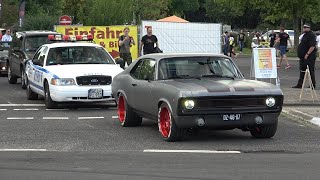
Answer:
x=4 y=47
x=71 y=72
x=265 y=36
x=183 y=91
x=23 y=47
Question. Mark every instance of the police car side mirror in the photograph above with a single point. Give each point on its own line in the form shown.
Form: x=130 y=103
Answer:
x=37 y=62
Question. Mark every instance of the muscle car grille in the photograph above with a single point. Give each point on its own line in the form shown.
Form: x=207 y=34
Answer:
x=231 y=102
x=93 y=80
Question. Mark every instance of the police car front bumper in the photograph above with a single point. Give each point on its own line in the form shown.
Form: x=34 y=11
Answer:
x=79 y=93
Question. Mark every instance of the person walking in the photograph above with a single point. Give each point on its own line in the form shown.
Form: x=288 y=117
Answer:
x=241 y=40
x=149 y=42
x=307 y=53
x=232 y=45
x=272 y=37
x=226 y=43
x=283 y=40
x=125 y=42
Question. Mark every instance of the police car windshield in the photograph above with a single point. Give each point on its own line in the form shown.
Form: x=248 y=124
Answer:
x=78 y=55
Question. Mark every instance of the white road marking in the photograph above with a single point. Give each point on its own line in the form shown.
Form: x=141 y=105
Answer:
x=90 y=118
x=25 y=109
x=115 y=117
x=23 y=150
x=55 y=118
x=57 y=109
x=90 y=108
x=191 y=151
x=3 y=109
x=315 y=121
x=21 y=105
x=16 y=118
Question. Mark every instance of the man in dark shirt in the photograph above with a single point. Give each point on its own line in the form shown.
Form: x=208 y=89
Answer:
x=125 y=42
x=307 y=53
x=284 y=38
x=272 y=37
x=241 y=39
x=148 y=41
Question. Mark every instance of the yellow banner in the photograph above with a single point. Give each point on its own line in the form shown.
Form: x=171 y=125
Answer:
x=106 y=36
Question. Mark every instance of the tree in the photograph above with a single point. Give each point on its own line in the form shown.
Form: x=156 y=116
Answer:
x=9 y=14
x=150 y=9
x=181 y=7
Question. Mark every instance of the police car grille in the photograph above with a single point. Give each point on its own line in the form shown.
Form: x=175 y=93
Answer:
x=93 y=80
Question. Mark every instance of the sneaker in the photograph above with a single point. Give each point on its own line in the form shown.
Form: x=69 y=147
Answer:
x=288 y=66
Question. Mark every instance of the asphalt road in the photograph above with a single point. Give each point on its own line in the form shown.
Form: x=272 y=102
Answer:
x=87 y=142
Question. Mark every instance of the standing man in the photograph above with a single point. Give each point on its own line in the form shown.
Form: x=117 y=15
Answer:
x=241 y=39
x=307 y=53
x=6 y=37
x=125 y=42
x=283 y=39
x=225 y=43
x=272 y=37
x=147 y=42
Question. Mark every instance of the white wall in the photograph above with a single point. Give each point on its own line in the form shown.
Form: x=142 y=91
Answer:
x=185 y=37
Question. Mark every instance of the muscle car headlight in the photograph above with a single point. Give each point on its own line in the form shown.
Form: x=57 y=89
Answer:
x=63 y=82
x=270 y=102
x=189 y=104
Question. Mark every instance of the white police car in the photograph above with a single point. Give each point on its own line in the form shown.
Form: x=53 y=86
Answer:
x=70 y=72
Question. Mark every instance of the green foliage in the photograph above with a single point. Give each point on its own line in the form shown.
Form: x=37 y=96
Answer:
x=43 y=22
x=9 y=13
x=180 y=7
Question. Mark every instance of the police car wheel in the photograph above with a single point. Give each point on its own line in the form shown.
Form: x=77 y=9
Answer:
x=50 y=104
x=12 y=79
x=23 y=79
x=30 y=94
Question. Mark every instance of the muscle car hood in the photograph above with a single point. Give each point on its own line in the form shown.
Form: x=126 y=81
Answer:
x=218 y=87
x=72 y=71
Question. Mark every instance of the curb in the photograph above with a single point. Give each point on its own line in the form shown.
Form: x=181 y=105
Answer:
x=302 y=116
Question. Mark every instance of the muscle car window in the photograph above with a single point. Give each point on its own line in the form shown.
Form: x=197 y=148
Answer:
x=147 y=70
x=135 y=72
x=196 y=67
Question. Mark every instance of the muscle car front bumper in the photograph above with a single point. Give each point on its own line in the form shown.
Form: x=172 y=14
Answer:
x=217 y=121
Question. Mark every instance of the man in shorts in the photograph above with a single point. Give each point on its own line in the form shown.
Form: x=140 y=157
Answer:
x=283 y=46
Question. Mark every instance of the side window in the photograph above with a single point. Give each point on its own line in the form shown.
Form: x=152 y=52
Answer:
x=135 y=72
x=148 y=69
x=37 y=54
x=43 y=53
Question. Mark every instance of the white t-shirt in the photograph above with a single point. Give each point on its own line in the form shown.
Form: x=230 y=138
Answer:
x=318 y=41
x=6 y=38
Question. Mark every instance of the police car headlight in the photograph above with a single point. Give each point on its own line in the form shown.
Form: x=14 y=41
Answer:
x=270 y=101
x=63 y=82
x=189 y=104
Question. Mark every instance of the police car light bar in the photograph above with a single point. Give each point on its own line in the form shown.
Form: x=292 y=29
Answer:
x=88 y=37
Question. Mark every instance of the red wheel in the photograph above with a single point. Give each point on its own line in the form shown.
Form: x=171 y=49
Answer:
x=126 y=114
x=165 y=122
x=167 y=127
x=121 y=109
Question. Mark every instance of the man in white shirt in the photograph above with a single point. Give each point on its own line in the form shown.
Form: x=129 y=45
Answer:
x=7 y=36
x=318 y=43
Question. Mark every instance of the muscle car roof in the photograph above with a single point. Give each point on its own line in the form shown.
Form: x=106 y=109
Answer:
x=170 y=55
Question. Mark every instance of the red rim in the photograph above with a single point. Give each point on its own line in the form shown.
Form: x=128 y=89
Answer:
x=165 y=122
x=121 y=109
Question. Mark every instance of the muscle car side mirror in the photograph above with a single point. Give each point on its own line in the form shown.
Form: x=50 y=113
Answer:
x=16 y=49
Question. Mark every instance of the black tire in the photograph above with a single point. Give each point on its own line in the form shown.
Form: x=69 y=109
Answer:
x=172 y=133
x=30 y=94
x=23 y=79
x=126 y=115
x=50 y=104
x=264 y=131
x=12 y=79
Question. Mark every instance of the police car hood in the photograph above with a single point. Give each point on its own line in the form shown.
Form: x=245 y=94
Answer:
x=72 y=71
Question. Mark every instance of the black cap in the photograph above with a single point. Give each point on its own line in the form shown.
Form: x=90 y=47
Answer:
x=306 y=25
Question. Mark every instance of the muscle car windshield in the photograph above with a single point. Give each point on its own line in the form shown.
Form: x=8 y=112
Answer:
x=191 y=67
x=32 y=43
x=78 y=55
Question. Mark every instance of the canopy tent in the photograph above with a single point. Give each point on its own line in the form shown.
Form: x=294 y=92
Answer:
x=173 y=19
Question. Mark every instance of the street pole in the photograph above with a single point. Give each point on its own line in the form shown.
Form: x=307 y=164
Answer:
x=22 y=8
x=0 y=8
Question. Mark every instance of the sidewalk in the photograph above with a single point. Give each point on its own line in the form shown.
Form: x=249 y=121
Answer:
x=306 y=110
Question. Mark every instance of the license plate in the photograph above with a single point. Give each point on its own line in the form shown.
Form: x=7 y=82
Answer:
x=231 y=117
x=95 y=93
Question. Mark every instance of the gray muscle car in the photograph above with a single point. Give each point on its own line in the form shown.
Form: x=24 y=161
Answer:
x=187 y=91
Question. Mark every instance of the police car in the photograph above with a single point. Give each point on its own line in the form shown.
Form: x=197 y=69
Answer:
x=71 y=72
